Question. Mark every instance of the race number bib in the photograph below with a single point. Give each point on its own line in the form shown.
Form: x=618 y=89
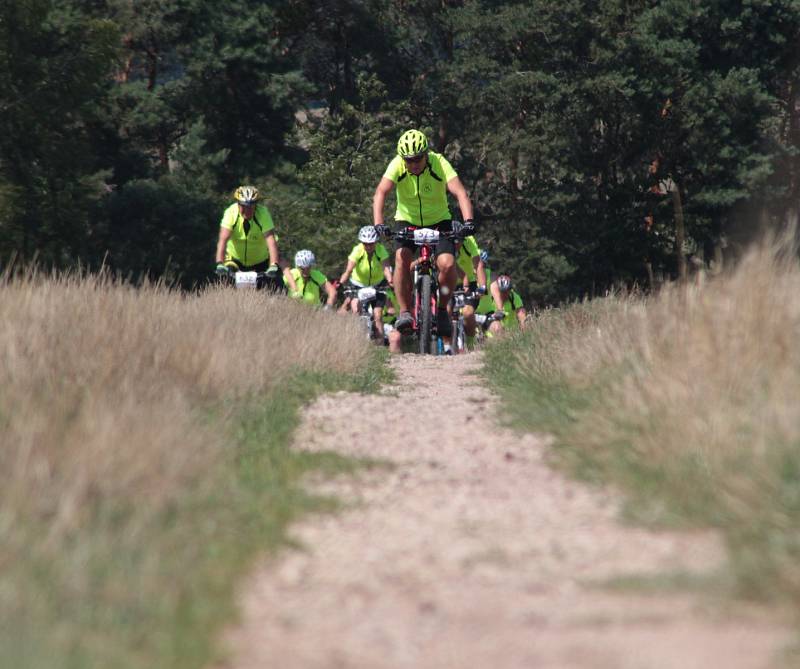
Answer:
x=425 y=236
x=366 y=294
x=246 y=279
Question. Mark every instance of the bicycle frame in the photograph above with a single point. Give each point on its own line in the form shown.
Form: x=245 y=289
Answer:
x=425 y=284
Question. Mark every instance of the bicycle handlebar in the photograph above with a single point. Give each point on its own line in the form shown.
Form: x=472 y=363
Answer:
x=353 y=290
x=422 y=236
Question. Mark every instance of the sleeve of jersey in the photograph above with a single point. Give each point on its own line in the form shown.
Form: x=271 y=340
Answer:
x=471 y=246
x=447 y=168
x=381 y=252
x=354 y=253
x=394 y=169
x=319 y=277
x=229 y=218
x=516 y=303
x=265 y=218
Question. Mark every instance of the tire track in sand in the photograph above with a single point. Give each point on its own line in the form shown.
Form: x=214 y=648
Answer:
x=472 y=552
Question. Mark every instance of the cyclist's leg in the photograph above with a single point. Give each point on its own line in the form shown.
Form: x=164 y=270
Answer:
x=402 y=276
x=395 y=341
x=447 y=278
x=445 y=263
x=377 y=319
x=468 y=312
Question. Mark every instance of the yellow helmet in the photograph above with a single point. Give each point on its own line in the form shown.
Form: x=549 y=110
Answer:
x=246 y=195
x=412 y=143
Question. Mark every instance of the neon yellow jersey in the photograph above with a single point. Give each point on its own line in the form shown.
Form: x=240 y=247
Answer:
x=510 y=306
x=368 y=271
x=247 y=244
x=307 y=289
x=422 y=200
x=469 y=249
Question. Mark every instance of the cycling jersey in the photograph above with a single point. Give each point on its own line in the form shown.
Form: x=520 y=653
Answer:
x=368 y=271
x=247 y=244
x=307 y=289
x=422 y=200
x=469 y=249
x=510 y=306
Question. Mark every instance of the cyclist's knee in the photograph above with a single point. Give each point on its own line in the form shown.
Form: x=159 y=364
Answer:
x=496 y=328
x=445 y=262
x=403 y=256
x=467 y=311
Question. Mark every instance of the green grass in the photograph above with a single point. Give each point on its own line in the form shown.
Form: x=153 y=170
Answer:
x=157 y=593
x=687 y=406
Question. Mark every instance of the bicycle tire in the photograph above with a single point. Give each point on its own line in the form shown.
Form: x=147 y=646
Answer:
x=425 y=314
x=460 y=338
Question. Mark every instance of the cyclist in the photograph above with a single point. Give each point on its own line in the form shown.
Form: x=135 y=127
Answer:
x=470 y=266
x=246 y=237
x=368 y=265
x=422 y=178
x=308 y=281
x=505 y=303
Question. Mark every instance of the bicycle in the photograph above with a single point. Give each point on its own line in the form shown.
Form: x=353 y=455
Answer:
x=367 y=297
x=484 y=321
x=252 y=280
x=461 y=298
x=425 y=284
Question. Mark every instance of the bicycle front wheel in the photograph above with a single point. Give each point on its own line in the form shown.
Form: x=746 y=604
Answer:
x=425 y=315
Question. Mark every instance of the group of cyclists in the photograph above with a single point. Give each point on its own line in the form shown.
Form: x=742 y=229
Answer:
x=422 y=179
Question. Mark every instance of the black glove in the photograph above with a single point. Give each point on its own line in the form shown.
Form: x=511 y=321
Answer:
x=473 y=286
x=457 y=228
x=272 y=271
x=499 y=315
x=222 y=269
x=469 y=227
x=383 y=230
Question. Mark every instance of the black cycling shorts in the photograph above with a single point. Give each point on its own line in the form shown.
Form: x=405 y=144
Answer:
x=444 y=245
x=258 y=267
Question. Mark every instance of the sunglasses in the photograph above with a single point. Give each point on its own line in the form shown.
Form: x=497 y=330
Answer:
x=414 y=159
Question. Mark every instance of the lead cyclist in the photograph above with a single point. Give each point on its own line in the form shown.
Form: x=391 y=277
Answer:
x=423 y=178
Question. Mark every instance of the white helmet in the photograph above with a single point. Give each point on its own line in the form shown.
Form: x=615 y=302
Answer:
x=368 y=234
x=304 y=258
x=504 y=282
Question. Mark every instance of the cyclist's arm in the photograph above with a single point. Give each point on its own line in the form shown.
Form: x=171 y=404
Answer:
x=272 y=245
x=331 y=293
x=387 y=271
x=460 y=193
x=347 y=271
x=224 y=236
x=288 y=279
x=480 y=270
x=384 y=187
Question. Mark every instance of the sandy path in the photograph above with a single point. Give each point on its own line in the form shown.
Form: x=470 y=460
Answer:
x=472 y=552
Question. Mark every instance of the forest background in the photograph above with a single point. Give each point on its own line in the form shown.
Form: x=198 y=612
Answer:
x=603 y=142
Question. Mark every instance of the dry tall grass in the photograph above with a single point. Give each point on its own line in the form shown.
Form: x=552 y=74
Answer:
x=103 y=389
x=691 y=398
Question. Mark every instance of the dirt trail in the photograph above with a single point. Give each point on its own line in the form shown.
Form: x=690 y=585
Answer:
x=472 y=552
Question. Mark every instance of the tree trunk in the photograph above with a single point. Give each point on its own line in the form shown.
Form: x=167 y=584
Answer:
x=680 y=232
